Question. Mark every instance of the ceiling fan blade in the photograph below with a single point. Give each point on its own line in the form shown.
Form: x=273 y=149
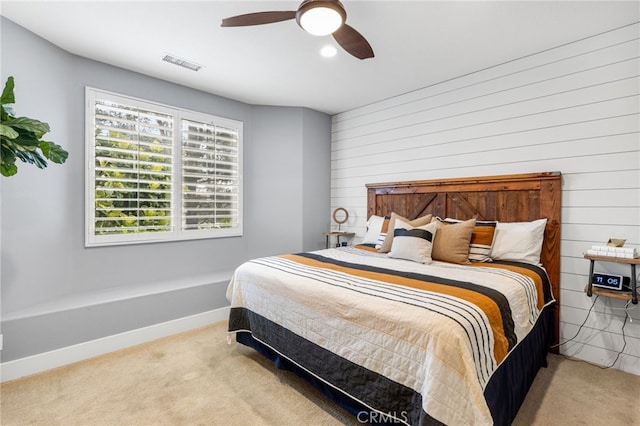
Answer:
x=353 y=42
x=258 y=18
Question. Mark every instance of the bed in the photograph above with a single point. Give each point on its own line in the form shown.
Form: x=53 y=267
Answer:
x=396 y=338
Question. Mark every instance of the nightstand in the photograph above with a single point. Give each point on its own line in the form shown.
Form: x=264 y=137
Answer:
x=337 y=234
x=618 y=294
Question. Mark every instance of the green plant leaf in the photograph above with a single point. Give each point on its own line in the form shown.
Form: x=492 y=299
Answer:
x=32 y=157
x=6 y=112
x=8 y=169
x=20 y=138
x=8 y=155
x=8 y=132
x=26 y=139
x=38 y=128
x=54 y=152
x=7 y=94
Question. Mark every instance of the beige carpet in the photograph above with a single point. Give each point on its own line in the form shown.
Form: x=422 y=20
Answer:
x=196 y=378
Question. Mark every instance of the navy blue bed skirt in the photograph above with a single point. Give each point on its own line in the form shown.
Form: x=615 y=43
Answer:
x=504 y=393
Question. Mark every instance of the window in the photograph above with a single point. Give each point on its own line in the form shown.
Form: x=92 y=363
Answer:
x=157 y=173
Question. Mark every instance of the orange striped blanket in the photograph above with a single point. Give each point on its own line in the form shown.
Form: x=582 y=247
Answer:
x=429 y=333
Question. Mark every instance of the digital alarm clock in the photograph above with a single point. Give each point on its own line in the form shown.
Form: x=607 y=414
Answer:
x=610 y=281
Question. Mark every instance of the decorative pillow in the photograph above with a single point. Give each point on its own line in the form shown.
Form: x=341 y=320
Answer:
x=452 y=241
x=384 y=231
x=413 y=243
x=386 y=245
x=482 y=238
x=374 y=226
x=519 y=241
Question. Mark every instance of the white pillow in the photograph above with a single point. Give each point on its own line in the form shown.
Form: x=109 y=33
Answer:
x=381 y=237
x=374 y=227
x=413 y=243
x=519 y=241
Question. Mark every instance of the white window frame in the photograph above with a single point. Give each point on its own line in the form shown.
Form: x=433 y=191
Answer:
x=176 y=233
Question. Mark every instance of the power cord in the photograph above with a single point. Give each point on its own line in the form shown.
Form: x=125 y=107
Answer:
x=581 y=325
x=624 y=337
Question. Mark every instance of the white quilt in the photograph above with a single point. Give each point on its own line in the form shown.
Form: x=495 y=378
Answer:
x=439 y=345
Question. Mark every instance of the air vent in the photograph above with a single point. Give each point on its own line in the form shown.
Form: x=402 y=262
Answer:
x=181 y=62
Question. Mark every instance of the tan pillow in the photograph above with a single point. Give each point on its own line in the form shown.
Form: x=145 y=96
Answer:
x=452 y=240
x=388 y=240
x=482 y=239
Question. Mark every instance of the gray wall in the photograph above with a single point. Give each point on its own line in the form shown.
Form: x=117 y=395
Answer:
x=56 y=292
x=316 y=180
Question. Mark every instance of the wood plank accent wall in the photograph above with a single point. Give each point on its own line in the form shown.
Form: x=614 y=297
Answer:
x=574 y=108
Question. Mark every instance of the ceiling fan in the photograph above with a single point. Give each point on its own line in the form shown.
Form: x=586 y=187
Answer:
x=317 y=17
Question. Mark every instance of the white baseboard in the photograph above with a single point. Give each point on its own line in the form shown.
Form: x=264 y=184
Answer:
x=15 y=369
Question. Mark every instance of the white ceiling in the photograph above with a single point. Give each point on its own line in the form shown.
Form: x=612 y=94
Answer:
x=416 y=43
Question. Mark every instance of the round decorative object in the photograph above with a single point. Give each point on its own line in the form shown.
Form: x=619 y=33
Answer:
x=340 y=215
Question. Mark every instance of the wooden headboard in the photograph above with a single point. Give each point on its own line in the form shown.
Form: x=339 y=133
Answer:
x=506 y=198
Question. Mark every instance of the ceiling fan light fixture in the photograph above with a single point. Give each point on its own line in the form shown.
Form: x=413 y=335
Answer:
x=328 y=51
x=318 y=17
x=321 y=17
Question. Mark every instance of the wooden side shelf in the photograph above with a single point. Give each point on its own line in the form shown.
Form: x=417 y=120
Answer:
x=635 y=261
x=337 y=235
x=616 y=294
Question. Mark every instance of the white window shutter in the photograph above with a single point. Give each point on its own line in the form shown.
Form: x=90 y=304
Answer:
x=210 y=176
x=158 y=173
x=133 y=169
